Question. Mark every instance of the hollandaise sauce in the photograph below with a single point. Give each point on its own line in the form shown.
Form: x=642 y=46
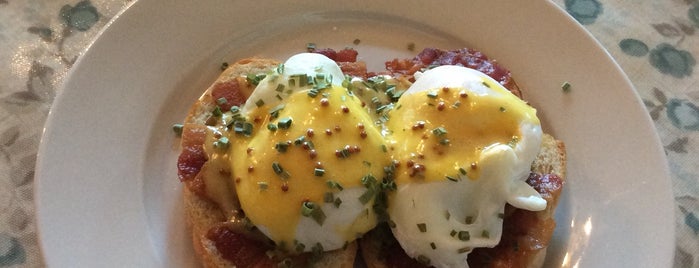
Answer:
x=440 y=133
x=300 y=158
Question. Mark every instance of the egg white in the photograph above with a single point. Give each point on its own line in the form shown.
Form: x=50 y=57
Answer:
x=310 y=64
x=442 y=206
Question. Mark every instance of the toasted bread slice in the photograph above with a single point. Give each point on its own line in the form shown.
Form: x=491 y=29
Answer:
x=380 y=249
x=203 y=214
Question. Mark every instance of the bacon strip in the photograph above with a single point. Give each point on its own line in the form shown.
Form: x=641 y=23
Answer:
x=239 y=249
x=229 y=90
x=466 y=57
x=192 y=157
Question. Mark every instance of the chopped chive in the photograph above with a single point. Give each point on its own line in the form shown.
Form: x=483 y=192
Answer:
x=384 y=108
x=367 y=196
x=383 y=148
x=368 y=180
x=309 y=144
x=432 y=94
x=485 y=234
x=440 y=131
x=335 y=185
x=464 y=250
x=486 y=84
x=255 y=79
x=272 y=127
x=388 y=184
x=235 y=109
x=222 y=143
x=383 y=118
x=310 y=47
x=337 y=202
x=281 y=147
x=307 y=207
x=285 y=175
x=432 y=245
x=328 y=197
x=469 y=219
x=275 y=111
x=422 y=227
x=301 y=78
x=177 y=128
x=502 y=109
x=300 y=247
x=453 y=233
x=277 y=168
x=447 y=214
x=501 y=215
x=513 y=142
x=317 y=249
x=462 y=171
x=390 y=90
x=344 y=153
x=263 y=185
x=217 y=111
x=566 y=87
x=451 y=178
x=310 y=209
x=313 y=93
x=319 y=172
x=278 y=97
x=259 y=102
x=299 y=141
x=284 y=123
x=444 y=141
x=464 y=236
x=280 y=68
x=456 y=104
x=221 y=101
x=241 y=127
x=224 y=66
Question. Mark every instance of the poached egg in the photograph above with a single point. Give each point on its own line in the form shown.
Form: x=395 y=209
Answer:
x=306 y=175
x=466 y=146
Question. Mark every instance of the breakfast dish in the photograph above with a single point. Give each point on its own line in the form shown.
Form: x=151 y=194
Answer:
x=292 y=163
x=159 y=71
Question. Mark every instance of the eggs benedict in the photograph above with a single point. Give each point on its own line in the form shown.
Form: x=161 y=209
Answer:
x=290 y=163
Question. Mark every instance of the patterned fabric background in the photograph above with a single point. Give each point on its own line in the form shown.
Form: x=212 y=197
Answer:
x=656 y=42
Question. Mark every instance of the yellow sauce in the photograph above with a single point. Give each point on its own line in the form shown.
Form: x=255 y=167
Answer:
x=274 y=200
x=471 y=122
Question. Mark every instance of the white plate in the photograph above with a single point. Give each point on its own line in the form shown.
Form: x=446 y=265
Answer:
x=107 y=190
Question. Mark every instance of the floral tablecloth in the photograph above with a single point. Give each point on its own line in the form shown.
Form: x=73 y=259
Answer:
x=656 y=42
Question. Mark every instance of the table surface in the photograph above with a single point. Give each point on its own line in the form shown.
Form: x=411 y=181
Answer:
x=656 y=42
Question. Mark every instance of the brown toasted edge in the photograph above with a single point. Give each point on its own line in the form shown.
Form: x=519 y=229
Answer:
x=202 y=214
x=550 y=160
